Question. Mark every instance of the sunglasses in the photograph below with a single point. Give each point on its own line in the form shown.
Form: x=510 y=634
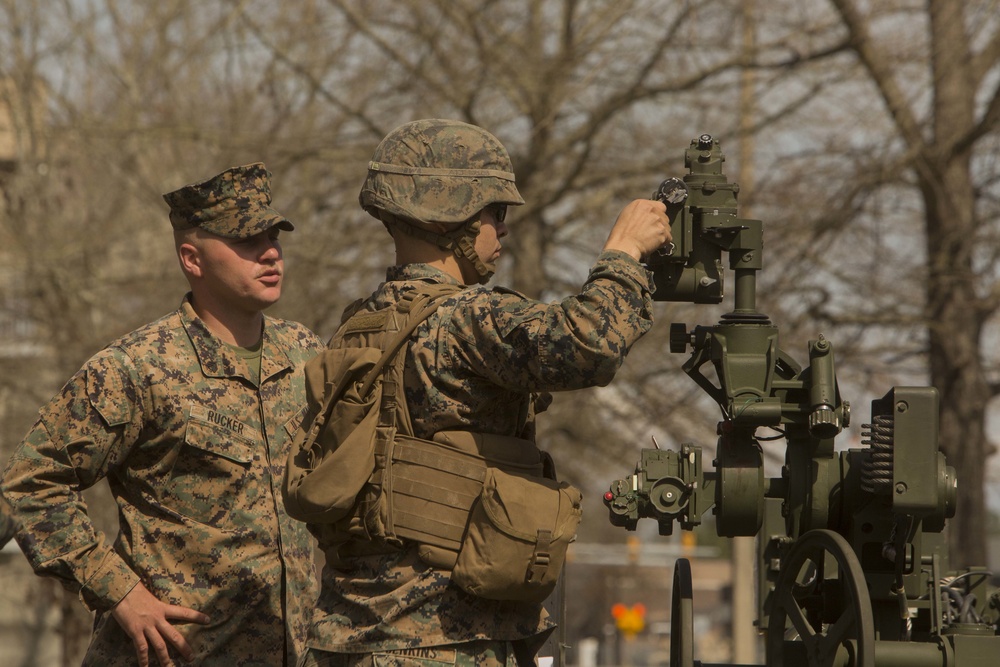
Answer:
x=499 y=211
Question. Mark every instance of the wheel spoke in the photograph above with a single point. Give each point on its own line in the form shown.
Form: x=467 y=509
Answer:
x=798 y=617
x=839 y=631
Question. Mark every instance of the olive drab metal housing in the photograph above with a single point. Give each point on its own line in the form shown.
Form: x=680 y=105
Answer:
x=853 y=567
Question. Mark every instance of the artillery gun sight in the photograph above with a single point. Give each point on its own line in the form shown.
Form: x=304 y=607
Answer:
x=853 y=568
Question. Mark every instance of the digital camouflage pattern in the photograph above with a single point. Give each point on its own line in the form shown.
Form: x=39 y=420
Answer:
x=436 y=170
x=235 y=204
x=471 y=654
x=475 y=365
x=193 y=452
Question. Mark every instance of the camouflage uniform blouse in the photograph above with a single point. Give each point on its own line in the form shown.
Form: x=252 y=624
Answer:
x=8 y=525
x=473 y=366
x=193 y=452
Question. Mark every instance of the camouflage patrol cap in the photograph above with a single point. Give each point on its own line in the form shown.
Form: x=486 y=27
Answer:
x=437 y=170
x=235 y=204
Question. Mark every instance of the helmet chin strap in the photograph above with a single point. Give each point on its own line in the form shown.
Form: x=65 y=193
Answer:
x=466 y=247
x=460 y=240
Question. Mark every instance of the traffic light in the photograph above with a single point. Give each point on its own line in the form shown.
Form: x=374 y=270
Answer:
x=630 y=621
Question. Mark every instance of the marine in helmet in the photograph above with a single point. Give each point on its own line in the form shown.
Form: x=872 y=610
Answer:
x=482 y=362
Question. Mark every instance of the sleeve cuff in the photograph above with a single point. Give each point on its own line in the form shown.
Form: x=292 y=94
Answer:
x=628 y=266
x=109 y=584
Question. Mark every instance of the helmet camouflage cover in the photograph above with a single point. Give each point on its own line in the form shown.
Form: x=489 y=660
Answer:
x=435 y=170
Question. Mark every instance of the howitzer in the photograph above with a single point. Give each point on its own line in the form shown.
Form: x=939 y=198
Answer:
x=853 y=568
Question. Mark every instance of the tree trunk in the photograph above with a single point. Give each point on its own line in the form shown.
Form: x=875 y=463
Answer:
x=955 y=328
x=955 y=320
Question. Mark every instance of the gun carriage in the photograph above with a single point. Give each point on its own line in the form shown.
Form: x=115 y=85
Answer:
x=853 y=566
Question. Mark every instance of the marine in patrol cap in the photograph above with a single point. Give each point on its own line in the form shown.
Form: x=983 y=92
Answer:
x=235 y=204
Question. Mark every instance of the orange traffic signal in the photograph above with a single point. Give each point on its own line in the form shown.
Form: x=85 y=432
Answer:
x=630 y=621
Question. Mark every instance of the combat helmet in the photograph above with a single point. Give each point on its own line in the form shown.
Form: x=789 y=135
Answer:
x=437 y=174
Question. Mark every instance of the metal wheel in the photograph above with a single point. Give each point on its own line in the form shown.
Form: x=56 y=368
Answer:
x=682 y=616
x=821 y=606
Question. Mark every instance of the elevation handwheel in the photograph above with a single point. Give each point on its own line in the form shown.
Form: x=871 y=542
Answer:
x=820 y=606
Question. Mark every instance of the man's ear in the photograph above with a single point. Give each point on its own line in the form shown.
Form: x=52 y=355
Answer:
x=190 y=259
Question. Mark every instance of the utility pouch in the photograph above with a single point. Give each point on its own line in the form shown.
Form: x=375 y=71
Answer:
x=487 y=507
x=431 y=486
x=517 y=537
x=332 y=454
